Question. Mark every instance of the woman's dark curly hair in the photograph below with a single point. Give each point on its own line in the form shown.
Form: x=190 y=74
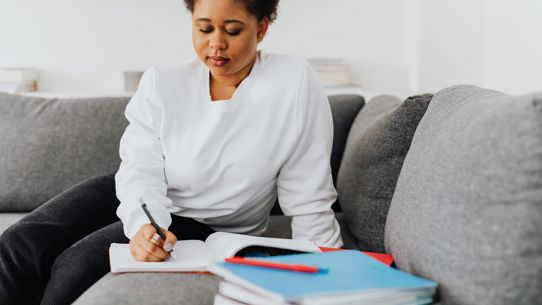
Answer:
x=257 y=8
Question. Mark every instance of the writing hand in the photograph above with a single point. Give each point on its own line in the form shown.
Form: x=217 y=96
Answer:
x=146 y=248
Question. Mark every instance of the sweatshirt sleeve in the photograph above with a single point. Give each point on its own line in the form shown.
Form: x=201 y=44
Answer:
x=304 y=184
x=141 y=173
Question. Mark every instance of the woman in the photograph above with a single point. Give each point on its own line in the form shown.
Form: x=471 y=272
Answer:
x=210 y=145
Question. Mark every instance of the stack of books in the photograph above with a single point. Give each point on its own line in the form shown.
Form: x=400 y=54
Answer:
x=342 y=277
x=14 y=80
x=331 y=71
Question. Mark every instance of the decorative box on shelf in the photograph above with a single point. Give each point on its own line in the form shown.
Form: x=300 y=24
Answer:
x=331 y=71
x=15 y=80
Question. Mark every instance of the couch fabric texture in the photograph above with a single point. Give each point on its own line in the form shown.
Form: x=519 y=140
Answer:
x=463 y=187
x=373 y=156
x=152 y=288
x=49 y=145
x=467 y=209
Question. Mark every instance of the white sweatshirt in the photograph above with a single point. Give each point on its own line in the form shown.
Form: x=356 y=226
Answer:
x=223 y=163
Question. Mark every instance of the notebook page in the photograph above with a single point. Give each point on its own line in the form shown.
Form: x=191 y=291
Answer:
x=187 y=255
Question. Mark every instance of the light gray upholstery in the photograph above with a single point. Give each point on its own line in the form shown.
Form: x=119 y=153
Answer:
x=49 y=145
x=467 y=210
x=378 y=142
x=280 y=226
x=152 y=288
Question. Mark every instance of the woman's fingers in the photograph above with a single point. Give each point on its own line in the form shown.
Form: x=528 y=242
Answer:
x=143 y=255
x=170 y=241
x=146 y=245
x=154 y=248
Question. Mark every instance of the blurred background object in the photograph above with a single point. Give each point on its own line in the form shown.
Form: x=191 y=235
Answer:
x=16 y=80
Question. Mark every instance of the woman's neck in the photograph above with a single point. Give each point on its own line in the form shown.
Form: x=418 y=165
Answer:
x=232 y=81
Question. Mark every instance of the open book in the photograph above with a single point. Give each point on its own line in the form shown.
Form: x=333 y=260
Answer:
x=196 y=255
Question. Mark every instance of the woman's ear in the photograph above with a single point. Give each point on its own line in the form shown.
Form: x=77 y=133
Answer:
x=263 y=25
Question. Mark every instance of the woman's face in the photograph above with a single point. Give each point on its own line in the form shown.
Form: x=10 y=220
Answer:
x=225 y=36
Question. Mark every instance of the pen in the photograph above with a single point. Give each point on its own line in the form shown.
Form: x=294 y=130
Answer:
x=158 y=230
x=273 y=265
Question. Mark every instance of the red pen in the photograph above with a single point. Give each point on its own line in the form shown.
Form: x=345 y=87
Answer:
x=272 y=265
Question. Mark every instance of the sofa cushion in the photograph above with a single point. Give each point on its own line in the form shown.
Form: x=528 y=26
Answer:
x=152 y=288
x=49 y=145
x=280 y=226
x=344 y=109
x=467 y=210
x=379 y=140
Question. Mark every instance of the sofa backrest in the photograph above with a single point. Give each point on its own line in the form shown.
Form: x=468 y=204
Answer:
x=49 y=145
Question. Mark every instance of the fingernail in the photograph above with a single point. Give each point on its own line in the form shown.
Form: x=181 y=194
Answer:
x=168 y=247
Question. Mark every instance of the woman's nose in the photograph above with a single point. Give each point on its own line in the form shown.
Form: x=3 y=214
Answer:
x=217 y=41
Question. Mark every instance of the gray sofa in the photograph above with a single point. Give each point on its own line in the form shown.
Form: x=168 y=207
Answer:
x=450 y=184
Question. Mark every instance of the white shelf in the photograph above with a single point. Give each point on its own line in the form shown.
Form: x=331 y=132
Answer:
x=367 y=94
x=72 y=95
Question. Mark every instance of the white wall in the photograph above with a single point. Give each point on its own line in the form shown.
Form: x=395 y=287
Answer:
x=514 y=45
x=496 y=44
x=84 y=45
x=368 y=34
x=451 y=43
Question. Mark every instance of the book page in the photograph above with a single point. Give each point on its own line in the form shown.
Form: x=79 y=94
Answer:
x=225 y=244
x=187 y=255
x=193 y=252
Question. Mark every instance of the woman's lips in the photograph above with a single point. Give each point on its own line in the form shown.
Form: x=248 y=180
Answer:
x=218 y=61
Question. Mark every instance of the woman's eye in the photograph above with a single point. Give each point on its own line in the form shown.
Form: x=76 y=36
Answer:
x=233 y=33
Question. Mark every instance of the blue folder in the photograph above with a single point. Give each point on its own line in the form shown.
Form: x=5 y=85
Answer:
x=347 y=272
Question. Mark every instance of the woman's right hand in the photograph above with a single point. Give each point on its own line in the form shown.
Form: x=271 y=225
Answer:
x=143 y=248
